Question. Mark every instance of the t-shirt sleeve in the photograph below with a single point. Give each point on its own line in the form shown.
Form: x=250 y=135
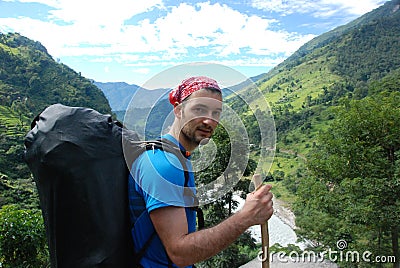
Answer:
x=160 y=179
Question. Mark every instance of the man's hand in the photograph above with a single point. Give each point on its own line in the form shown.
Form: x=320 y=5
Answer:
x=185 y=249
x=258 y=207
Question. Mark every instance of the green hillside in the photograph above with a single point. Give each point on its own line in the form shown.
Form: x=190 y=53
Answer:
x=344 y=63
x=341 y=188
x=30 y=75
x=30 y=80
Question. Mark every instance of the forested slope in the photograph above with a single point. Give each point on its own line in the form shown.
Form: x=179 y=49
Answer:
x=30 y=80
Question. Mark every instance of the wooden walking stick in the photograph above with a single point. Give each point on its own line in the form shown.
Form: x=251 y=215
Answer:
x=257 y=180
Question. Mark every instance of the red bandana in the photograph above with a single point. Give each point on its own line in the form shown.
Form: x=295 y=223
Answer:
x=189 y=86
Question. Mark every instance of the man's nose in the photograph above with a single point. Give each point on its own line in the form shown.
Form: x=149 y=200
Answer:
x=209 y=120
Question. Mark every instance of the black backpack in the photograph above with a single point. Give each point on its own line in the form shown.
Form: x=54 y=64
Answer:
x=77 y=159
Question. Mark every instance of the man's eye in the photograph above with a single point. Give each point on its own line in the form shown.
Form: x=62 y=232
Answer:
x=216 y=114
x=200 y=110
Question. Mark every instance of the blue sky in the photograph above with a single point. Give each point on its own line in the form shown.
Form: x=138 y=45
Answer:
x=133 y=40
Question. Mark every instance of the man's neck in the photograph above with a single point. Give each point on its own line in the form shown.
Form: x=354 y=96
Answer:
x=187 y=145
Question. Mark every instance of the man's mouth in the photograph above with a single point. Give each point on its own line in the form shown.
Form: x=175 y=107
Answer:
x=205 y=131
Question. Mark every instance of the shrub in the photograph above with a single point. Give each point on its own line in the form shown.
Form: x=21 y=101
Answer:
x=22 y=238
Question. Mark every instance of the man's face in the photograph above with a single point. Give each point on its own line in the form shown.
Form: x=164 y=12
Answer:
x=201 y=112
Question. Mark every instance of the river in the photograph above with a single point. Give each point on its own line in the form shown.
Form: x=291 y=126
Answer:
x=279 y=232
x=280 y=226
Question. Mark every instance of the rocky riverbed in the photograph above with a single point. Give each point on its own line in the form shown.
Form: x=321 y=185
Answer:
x=281 y=230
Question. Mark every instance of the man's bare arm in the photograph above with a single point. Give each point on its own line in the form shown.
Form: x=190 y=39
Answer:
x=186 y=249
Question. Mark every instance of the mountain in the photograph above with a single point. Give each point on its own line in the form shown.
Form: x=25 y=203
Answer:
x=347 y=62
x=342 y=62
x=121 y=94
x=385 y=14
x=30 y=80
x=226 y=92
x=359 y=61
x=29 y=74
x=351 y=62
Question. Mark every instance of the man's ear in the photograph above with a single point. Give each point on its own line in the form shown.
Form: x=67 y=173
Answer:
x=178 y=109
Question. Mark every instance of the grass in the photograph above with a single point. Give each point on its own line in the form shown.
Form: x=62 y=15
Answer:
x=13 y=50
x=10 y=123
x=281 y=192
x=293 y=86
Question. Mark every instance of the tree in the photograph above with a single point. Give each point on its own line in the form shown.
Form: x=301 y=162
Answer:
x=355 y=184
x=208 y=170
x=19 y=107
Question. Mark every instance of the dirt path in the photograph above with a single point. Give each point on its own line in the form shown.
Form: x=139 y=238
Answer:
x=291 y=152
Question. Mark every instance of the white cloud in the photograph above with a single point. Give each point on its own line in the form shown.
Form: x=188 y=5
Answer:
x=322 y=8
x=232 y=33
x=142 y=70
x=45 y=2
x=99 y=29
x=252 y=62
x=285 y=6
x=49 y=34
x=355 y=7
x=93 y=14
x=103 y=60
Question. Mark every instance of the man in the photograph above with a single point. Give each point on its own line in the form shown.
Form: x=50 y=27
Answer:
x=159 y=207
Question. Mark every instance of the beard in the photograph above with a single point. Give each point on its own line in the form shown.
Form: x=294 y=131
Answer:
x=196 y=135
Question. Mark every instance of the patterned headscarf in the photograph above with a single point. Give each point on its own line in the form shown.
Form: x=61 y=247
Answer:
x=190 y=85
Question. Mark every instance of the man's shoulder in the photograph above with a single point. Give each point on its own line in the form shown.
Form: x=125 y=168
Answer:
x=166 y=164
x=159 y=157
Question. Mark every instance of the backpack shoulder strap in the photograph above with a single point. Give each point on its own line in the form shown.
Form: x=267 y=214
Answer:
x=182 y=155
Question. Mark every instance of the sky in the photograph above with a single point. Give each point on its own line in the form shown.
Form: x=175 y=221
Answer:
x=134 y=40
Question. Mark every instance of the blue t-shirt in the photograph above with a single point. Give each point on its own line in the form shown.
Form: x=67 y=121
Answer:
x=156 y=181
